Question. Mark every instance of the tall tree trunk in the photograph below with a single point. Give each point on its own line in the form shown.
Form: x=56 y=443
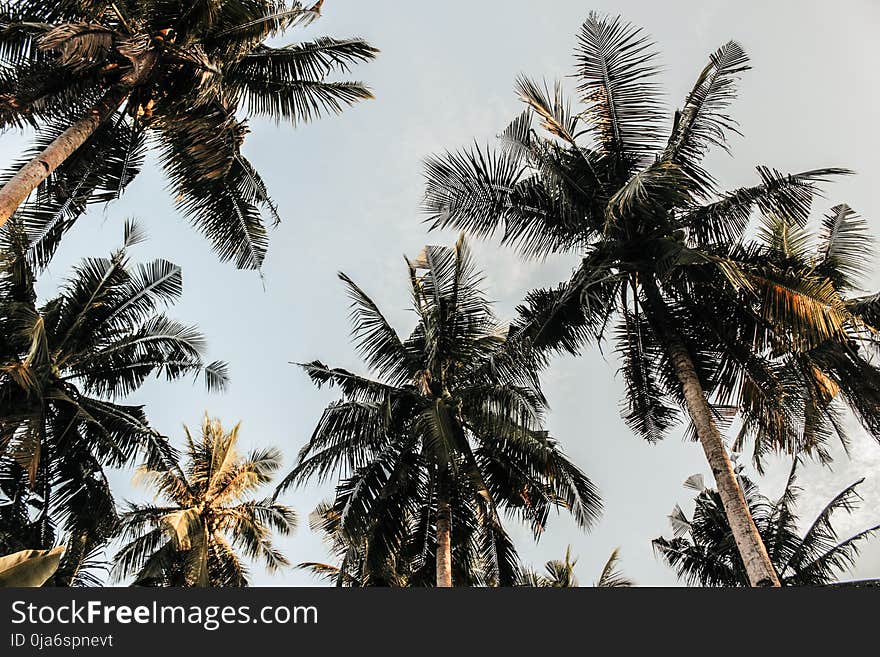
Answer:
x=29 y=177
x=74 y=555
x=444 y=537
x=751 y=547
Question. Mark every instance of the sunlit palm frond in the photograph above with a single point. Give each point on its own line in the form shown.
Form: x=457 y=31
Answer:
x=193 y=540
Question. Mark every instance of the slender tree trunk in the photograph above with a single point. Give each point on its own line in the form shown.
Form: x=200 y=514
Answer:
x=444 y=538
x=29 y=177
x=74 y=554
x=751 y=547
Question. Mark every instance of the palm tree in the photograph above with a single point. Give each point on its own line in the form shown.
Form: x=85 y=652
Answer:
x=448 y=434
x=560 y=574
x=208 y=513
x=63 y=365
x=354 y=568
x=702 y=550
x=704 y=320
x=96 y=78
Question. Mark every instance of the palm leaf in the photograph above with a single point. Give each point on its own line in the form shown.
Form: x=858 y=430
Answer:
x=30 y=568
x=611 y=577
x=703 y=122
x=616 y=64
x=844 y=246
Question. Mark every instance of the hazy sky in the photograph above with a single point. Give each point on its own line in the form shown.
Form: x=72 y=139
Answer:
x=349 y=188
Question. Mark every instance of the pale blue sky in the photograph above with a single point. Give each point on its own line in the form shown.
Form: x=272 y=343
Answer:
x=349 y=188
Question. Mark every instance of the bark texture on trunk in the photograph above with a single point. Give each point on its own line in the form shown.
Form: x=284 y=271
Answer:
x=29 y=177
x=444 y=543
x=751 y=547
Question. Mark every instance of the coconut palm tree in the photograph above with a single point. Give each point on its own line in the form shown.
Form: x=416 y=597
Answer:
x=356 y=565
x=98 y=78
x=702 y=320
x=354 y=568
x=208 y=515
x=64 y=365
x=447 y=436
x=560 y=574
x=703 y=552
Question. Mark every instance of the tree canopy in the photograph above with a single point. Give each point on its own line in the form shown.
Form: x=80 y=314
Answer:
x=180 y=77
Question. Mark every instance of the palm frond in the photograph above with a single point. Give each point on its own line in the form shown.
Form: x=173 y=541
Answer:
x=844 y=246
x=217 y=188
x=788 y=196
x=553 y=110
x=377 y=341
x=305 y=61
x=78 y=45
x=616 y=64
x=703 y=121
x=611 y=576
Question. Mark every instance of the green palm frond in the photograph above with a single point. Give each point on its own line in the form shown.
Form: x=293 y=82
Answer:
x=65 y=365
x=97 y=173
x=649 y=413
x=560 y=574
x=788 y=197
x=217 y=188
x=844 y=247
x=472 y=190
x=611 y=576
x=312 y=60
x=650 y=191
x=378 y=343
x=703 y=122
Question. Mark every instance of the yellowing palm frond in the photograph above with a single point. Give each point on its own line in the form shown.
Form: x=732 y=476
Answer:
x=193 y=541
x=184 y=526
x=806 y=306
x=29 y=568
